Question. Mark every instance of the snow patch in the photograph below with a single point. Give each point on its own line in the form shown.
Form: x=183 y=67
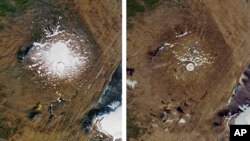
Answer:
x=244 y=117
x=166 y=45
x=114 y=105
x=169 y=121
x=192 y=58
x=182 y=121
x=184 y=34
x=111 y=124
x=131 y=83
x=53 y=32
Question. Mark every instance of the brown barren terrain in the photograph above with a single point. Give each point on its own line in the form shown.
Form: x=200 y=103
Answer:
x=167 y=92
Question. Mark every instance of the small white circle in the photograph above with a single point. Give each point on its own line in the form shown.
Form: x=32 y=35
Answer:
x=190 y=66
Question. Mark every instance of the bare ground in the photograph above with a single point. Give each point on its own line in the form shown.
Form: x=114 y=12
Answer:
x=217 y=29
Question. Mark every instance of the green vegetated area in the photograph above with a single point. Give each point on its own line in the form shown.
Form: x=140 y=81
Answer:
x=10 y=7
x=2 y=25
x=136 y=6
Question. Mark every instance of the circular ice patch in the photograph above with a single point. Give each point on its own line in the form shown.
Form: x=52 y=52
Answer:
x=190 y=66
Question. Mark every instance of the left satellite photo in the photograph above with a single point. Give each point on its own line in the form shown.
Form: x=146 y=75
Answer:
x=60 y=70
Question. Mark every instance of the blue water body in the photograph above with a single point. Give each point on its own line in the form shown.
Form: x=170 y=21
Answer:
x=111 y=93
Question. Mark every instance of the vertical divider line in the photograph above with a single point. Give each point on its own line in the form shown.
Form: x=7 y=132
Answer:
x=124 y=73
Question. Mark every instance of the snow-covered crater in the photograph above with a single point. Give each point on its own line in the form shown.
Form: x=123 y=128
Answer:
x=61 y=55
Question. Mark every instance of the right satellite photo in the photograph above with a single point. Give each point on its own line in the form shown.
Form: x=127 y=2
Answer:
x=188 y=69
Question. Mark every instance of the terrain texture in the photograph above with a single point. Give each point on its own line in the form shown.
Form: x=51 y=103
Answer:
x=23 y=94
x=187 y=58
